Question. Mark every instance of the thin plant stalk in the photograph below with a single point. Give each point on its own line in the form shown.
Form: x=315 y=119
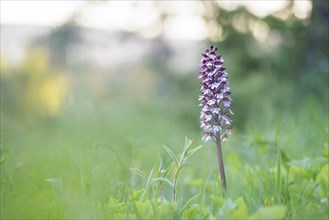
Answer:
x=174 y=189
x=221 y=164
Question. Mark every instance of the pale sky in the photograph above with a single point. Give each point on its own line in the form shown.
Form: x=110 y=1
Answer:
x=134 y=16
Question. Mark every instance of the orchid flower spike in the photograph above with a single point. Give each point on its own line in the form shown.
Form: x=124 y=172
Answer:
x=215 y=100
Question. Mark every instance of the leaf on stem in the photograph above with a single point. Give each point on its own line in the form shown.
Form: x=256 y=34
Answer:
x=171 y=154
x=138 y=172
x=163 y=180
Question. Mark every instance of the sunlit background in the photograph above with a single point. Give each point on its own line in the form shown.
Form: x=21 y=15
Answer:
x=79 y=75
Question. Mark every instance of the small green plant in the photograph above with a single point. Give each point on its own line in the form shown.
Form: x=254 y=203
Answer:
x=159 y=175
x=187 y=152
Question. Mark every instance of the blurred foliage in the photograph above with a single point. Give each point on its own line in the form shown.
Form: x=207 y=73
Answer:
x=276 y=75
x=33 y=88
x=289 y=66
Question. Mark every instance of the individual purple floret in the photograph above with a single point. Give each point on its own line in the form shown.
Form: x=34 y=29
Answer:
x=215 y=100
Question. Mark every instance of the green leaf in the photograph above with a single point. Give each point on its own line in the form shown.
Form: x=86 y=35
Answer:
x=139 y=172
x=163 y=180
x=305 y=163
x=113 y=201
x=217 y=201
x=166 y=171
x=323 y=179
x=178 y=170
x=3 y=157
x=84 y=184
x=143 y=208
x=158 y=166
x=278 y=176
x=188 y=143
x=323 y=175
x=272 y=212
x=191 y=213
x=171 y=154
x=188 y=203
x=241 y=211
x=57 y=182
x=325 y=151
x=167 y=210
x=227 y=207
x=136 y=194
x=116 y=207
x=119 y=209
x=185 y=153
x=148 y=184
x=193 y=151
x=164 y=174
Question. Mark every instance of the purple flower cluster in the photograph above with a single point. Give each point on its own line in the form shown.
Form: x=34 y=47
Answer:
x=215 y=100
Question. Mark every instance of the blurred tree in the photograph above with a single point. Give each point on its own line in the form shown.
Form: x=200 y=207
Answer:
x=59 y=40
x=295 y=49
x=316 y=67
x=277 y=58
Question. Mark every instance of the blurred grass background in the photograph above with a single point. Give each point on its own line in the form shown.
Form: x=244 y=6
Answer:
x=81 y=124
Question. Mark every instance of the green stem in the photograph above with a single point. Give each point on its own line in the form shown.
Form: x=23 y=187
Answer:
x=174 y=189
x=221 y=164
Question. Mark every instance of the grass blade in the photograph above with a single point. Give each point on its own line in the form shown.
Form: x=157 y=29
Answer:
x=193 y=151
x=138 y=172
x=147 y=187
x=188 y=203
x=163 y=180
x=171 y=154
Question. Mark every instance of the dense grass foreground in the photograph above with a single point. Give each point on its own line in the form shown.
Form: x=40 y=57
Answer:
x=110 y=164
